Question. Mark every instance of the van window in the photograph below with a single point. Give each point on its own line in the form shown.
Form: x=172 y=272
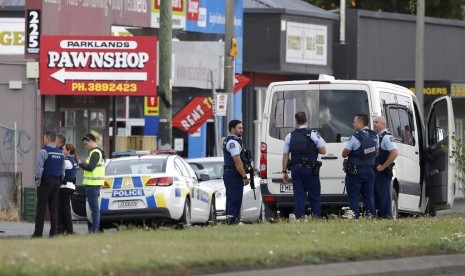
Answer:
x=331 y=112
x=397 y=110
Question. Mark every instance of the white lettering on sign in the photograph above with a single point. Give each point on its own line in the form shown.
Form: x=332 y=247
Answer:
x=97 y=59
x=196 y=114
x=193 y=8
x=97 y=44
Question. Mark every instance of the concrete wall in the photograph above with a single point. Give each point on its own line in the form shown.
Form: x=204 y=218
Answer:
x=19 y=106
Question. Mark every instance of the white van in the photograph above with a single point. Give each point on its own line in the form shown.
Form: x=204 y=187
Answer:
x=424 y=174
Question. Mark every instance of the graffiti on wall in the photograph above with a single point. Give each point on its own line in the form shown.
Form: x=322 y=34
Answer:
x=7 y=145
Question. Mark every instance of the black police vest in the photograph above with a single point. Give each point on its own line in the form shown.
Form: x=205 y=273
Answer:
x=228 y=160
x=357 y=157
x=53 y=165
x=383 y=154
x=302 y=146
x=70 y=174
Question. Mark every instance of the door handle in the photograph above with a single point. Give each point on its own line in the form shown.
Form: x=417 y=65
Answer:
x=328 y=157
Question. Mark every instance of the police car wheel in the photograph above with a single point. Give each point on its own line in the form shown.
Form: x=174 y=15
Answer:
x=212 y=217
x=394 y=204
x=262 y=216
x=185 y=220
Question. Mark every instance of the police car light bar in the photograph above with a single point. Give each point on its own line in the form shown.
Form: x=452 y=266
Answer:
x=117 y=154
x=164 y=151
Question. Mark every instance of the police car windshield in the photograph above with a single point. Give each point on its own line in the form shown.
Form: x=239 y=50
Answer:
x=135 y=166
x=331 y=112
x=212 y=169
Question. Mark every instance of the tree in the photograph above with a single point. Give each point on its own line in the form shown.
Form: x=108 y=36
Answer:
x=451 y=9
x=458 y=153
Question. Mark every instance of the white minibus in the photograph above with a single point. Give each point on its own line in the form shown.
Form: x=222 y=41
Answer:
x=424 y=171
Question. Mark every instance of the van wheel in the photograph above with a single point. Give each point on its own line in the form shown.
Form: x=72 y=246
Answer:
x=270 y=214
x=394 y=204
x=430 y=210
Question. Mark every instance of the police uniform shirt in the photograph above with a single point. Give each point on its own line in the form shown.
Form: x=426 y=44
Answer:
x=316 y=138
x=354 y=143
x=233 y=147
x=388 y=143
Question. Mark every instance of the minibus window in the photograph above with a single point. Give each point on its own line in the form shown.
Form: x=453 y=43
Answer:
x=331 y=112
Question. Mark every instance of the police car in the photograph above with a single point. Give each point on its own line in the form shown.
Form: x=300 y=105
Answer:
x=153 y=188
x=252 y=209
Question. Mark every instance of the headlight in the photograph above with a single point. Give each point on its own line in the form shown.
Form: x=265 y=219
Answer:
x=220 y=194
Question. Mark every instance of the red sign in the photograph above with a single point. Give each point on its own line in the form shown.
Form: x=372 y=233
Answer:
x=98 y=65
x=193 y=10
x=176 y=5
x=239 y=82
x=194 y=114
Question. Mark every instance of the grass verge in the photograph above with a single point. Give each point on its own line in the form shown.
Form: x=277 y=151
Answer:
x=166 y=251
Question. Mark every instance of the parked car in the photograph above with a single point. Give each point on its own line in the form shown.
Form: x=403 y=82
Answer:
x=153 y=188
x=251 y=210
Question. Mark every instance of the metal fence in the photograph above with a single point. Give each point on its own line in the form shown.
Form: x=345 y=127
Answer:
x=8 y=168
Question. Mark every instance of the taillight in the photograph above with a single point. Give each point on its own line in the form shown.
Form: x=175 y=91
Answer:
x=263 y=165
x=106 y=185
x=268 y=199
x=160 y=181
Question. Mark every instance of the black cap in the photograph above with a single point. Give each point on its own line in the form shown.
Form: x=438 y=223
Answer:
x=88 y=137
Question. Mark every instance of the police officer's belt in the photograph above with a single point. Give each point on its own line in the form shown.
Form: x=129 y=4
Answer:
x=229 y=168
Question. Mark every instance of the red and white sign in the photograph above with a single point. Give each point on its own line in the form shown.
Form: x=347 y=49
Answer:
x=98 y=65
x=194 y=114
x=221 y=104
x=239 y=82
x=193 y=10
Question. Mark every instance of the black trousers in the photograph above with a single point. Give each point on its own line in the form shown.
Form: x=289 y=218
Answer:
x=65 y=223
x=47 y=192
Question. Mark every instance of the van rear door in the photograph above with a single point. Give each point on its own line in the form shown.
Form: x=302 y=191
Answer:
x=440 y=166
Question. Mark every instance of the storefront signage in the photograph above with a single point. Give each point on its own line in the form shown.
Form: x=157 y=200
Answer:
x=151 y=106
x=98 y=65
x=33 y=31
x=306 y=43
x=194 y=114
x=199 y=69
x=12 y=36
x=178 y=16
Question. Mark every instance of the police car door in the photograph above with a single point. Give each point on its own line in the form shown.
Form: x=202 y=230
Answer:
x=440 y=166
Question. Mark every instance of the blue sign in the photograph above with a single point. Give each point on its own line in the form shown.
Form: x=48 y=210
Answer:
x=209 y=16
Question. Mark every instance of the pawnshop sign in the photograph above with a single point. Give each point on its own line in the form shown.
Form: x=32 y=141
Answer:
x=98 y=65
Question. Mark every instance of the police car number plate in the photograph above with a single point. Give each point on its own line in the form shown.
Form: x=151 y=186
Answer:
x=286 y=188
x=127 y=204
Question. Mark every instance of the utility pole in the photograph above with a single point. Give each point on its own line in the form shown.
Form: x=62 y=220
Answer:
x=229 y=62
x=164 y=85
x=420 y=55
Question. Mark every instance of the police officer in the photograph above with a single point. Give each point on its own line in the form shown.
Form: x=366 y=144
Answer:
x=234 y=176
x=50 y=168
x=93 y=179
x=304 y=144
x=67 y=189
x=360 y=180
x=383 y=171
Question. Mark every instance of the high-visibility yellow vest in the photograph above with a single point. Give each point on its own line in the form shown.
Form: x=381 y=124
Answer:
x=97 y=176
